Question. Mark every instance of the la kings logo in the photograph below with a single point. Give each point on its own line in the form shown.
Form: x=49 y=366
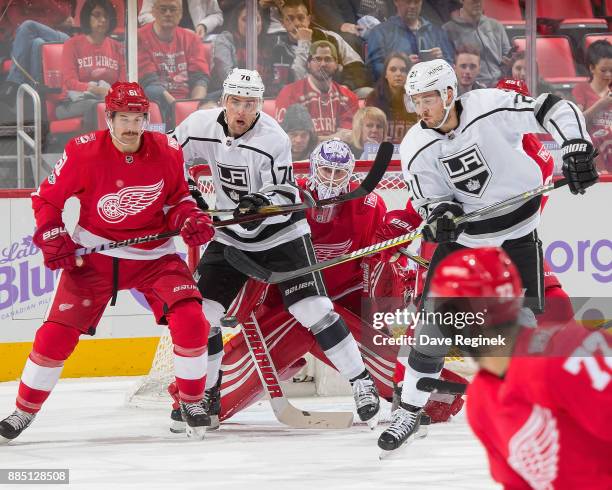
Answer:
x=468 y=170
x=234 y=181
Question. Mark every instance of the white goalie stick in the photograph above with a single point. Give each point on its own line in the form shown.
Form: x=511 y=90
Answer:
x=247 y=266
x=369 y=183
x=283 y=410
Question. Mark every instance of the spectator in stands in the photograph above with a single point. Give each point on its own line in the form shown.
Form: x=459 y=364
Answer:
x=171 y=60
x=202 y=16
x=229 y=50
x=298 y=125
x=91 y=63
x=410 y=33
x=470 y=26
x=53 y=13
x=388 y=95
x=330 y=105
x=55 y=17
x=467 y=67
x=292 y=48
x=351 y=18
x=517 y=69
x=369 y=126
x=595 y=100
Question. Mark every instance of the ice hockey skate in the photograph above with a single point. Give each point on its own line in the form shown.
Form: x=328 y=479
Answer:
x=366 y=399
x=212 y=401
x=405 y=427
x=14 y=425
x=196 y=418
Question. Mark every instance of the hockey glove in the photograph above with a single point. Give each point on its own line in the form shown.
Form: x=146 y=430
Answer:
x=57 y=246
x=197 y=195
x=578 y=165
x=441 y=226
x=249 y=204
x=197 y=230
x=395 y=223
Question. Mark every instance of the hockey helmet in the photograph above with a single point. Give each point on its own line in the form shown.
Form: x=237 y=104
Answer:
x=431 y=75
x=485 y=280
x=243 y=83
x=126 y=97
x=519 y=86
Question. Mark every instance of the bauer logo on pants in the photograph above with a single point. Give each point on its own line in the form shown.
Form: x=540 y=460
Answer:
x=234 y=181
x=468 y=170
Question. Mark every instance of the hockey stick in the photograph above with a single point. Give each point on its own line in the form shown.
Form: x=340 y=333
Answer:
x=379 y=167
x=284 y=411
x=306 y=194
x=433 y=385
x=249 y=267
x=369 y=183
x=416 y=258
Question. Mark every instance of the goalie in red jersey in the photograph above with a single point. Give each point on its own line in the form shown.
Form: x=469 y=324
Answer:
x=130 y=183
x=540 y=401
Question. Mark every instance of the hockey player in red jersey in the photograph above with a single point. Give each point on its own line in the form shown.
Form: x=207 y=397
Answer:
x=130 y=183
x=540 y=400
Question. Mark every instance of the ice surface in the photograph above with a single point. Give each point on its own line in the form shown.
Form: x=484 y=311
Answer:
x=84 y=426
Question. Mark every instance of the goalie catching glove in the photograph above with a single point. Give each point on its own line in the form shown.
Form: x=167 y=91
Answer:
x=57 y=247
x=441 y=226
x=578 y=165
x=250 y=204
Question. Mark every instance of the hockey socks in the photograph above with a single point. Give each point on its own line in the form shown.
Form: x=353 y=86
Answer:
x=339 y=345
x=215 y=356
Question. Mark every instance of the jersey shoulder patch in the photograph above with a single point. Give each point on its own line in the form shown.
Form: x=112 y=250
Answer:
x=85 y=138
x=370 y=200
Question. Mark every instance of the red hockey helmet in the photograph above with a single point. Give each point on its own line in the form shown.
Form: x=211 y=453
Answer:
x=126 y=97
x=485 y=278
x=519 y=86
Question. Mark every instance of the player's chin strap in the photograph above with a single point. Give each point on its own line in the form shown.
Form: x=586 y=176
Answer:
x=447 y=110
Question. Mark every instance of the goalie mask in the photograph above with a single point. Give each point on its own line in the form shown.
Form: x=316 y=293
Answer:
x=331 y=168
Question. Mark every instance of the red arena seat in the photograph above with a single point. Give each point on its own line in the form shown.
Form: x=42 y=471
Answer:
x=51 y=94
x=182 y=108
x=555 y=59
x=269 y=107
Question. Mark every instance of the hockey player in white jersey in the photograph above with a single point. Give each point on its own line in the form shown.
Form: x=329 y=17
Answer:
x=250 y=160
x=463 y=155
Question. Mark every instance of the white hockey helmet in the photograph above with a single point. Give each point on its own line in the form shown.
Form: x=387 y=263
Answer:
x=243 y=83
x=431 y=75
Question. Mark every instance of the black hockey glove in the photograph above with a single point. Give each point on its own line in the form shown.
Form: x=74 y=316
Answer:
x=249 y=204
x=578 y=165
x=441 y=227
x=197 y=195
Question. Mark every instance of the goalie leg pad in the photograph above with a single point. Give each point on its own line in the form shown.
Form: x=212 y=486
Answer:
x=419 y=366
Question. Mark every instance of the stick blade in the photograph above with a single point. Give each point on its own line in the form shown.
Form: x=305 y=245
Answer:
x=243 y=263
x=302 y=419
x=441 y=386
x=379 y=167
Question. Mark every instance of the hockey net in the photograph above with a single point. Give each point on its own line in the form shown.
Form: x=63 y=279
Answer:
x=151 y=389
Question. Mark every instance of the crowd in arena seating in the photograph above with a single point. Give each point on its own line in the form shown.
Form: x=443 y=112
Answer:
x=331 y=69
